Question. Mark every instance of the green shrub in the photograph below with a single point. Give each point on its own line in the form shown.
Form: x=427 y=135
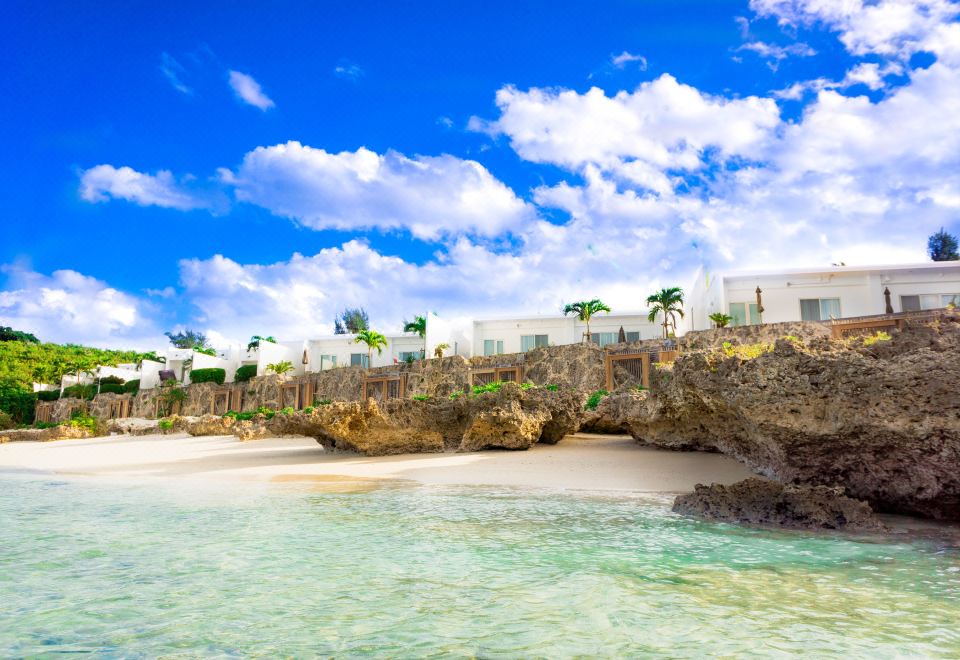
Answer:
x=322 y=402
x=483 y=389
x=79 y=392
x=456 y=395
x=132 y=386
x=165 y=424
x=309 y=410
x=526 y=386
x=746 y=351
x=287 y=411
x=208 y=376
x=552 y=387
x=112 y=388
x=245 y=373
x=266 y=412
x=594 y=399
x=421 y=397
x=17 y=400
x=83 y=420
x=6 y=421
x=112 y=380
x=878 y=337
x=48 y=395
x=45 y=425
x=212 y=352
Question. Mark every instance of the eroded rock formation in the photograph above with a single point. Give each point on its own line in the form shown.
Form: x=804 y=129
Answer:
x=764 y=502
x=879 y=418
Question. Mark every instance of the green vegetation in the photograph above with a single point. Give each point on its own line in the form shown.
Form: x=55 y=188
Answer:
x=552 y=387
x=322 y=402
x=309 y=410
x=421 y=397
x=351 y=321
x=793 y=339
x=6 y=421
x=721 y=320
x=112 y=380
x=205 y=350
x=439 y=349
x=188 y=339
x=165 y=424
x=289 y=410
x=132 y=386
x=83 y=420
x=456 y=395
x=943 y=247
x=245 y=373
x=280 y=368
x=594 y=399
x=746 y=351
x=48 y=395
x=170 y=396
x=255 y=342
x=419 y=326
x=585 y=309
x=9 y=334
x=212 y=375
x=24 y=363
x=373 y=340
x=80 y=391
x=111 y=388
x=875 y=338
x=669 y=304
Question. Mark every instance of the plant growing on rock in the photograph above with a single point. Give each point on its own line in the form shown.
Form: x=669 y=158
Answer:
x=373 y=340
x=322 y=402
x=721 y=320
x=594 y=399
x=585 y=310
x=421 y=397
x=170 y=396
x=439 y=349
x=876 y=338
x=668 y=303
x=280 y=368
x=746 y=351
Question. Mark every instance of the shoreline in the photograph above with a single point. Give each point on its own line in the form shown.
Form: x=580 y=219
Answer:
x=580 y=462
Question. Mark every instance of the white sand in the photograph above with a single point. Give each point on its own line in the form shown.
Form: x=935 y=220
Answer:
x=582 y=461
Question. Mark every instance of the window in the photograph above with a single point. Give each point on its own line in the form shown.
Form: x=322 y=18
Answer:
x=359 y=360
x=927 y=301
x=601 y=339
x=409 y=356
x=493 y=347
x=633 y=335
x=744 y=314
x=327 y=362
x=819 y=309
x=529 y=342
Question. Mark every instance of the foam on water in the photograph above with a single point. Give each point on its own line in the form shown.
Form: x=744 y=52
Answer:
x=404 y=570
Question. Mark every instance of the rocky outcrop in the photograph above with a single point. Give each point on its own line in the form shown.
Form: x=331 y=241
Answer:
x=210 y=425
x=60 y=432
x=614 y=412
x=511 y=418
x=764 y=502
x=880 y=418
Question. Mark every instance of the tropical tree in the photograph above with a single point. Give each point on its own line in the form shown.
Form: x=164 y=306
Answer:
x=669 y=303
x=419 y=326
x=280 y=368
x=720 y=319
x=585 y=310
x=170 y=395
x=373 y=340
x=9 y=334
x=351 y=321
x=188 y=339
x=255 y=342
x=943 y=247
x=439 y=349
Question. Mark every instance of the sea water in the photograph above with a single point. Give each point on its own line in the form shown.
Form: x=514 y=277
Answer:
x=176 y=569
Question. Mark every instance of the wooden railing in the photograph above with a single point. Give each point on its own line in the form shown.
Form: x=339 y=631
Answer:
x=840 y=328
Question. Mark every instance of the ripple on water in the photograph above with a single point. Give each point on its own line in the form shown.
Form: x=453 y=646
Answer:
x=396 y=569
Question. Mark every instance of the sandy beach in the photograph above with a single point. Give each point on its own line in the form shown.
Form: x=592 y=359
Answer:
x=580 y=462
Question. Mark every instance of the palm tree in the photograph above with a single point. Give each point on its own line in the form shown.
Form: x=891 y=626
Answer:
x=720 y=319
x=419 y=326
x=439 y=349
x=255 y=342
x=668 y=302
x=373 y=340
x=280 y=368
x=585 y=310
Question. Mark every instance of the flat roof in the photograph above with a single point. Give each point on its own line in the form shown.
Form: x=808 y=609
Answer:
x=555 y=316
x=829 y=270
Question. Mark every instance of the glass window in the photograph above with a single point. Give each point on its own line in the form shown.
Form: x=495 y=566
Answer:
x=909 y=303
x=633 y=335
x=738 y=311
x=950 y=299
x=529 y=342
x=359 y=360
x=829 y=308
x=754 y=314
x=493 y=347
x=603 y=338
x=327 y=362
x=819 y=309
x=409 y=356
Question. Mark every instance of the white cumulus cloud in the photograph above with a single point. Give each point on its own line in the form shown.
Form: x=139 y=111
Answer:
x=249 y=91
x=430 y=196
x=104 y=182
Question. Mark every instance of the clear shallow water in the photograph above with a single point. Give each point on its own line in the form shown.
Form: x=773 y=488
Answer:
x=185 y=570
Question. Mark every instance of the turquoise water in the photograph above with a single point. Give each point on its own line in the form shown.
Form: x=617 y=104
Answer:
x=177 y=570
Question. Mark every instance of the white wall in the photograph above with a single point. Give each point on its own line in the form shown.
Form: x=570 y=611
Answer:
x=150 y=374
x=706 y=297
x=560 y=330
x=458 y=333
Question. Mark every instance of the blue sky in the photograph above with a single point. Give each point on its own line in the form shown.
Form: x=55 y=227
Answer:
x=251 y=170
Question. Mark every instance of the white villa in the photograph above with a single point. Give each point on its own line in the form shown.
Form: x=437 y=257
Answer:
x=819 y=294
x=822 y=294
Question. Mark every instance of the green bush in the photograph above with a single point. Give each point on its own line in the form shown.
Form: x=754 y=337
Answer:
x=83 y=420
x=132 y=386
x=322 y=402
x=6 y=421
x=208 y=376
x=245 y=373
x=287 y=411
x=456 y=395
x=309 y=410
x=17 y=400
x=489 y=387
x=48 y=395
x=553 y=388
x=165 y=424
x=421 y=397
x=594 y=399
x=80 y=392
x=112 y=380
x=112 y=388
x=212 y=352
x=266 y=412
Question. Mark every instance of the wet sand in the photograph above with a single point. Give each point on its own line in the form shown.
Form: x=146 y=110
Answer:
x=580 y=462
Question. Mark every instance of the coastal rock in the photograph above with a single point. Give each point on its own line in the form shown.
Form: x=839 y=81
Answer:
x=878 y=417
x=210 y=425
x=613 y=413
x=61 y=432
x=764 y=502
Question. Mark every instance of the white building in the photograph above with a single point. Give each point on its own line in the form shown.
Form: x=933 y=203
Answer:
x=822 y=293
